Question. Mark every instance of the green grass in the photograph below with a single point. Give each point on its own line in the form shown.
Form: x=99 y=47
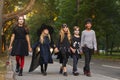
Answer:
x=107 y=57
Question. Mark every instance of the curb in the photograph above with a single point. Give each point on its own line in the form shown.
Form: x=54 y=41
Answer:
x=10 y=75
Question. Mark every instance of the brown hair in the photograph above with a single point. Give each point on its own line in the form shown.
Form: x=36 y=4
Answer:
x=76 y=27
x=24 y=24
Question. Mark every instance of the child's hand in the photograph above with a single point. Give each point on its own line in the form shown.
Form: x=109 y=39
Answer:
x=30 y=49
x=10 y=47
x=73 y=50
x=81 y=52
x=56 y=50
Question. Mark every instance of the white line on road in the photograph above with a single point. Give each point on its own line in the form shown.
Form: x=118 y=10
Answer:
x=115 y=67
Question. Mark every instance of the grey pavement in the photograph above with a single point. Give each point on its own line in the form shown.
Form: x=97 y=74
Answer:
x=53 y=73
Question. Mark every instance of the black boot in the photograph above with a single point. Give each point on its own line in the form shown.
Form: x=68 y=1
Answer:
x=65 y=74
x=61 y=70
x=44 y=73
x=20 y=72
x=88 y=74
x=85 y=71
x=17 y=68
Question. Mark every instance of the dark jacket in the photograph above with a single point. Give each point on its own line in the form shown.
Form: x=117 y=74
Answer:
x=64 y=48
x=42 y=57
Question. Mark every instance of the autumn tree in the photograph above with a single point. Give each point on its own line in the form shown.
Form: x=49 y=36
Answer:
x=11 y=15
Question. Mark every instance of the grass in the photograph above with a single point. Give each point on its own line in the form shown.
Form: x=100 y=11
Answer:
x=107 y=57
x=3 y=59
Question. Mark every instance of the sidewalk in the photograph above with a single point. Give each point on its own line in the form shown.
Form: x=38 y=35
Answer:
x=53 y=73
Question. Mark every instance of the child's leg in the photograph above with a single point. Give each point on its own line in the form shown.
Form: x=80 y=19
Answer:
x=22 y=62
x=90 y=55
x=17 y=63
x=21 y=65
x=61 y=69
x=42 y=70
x=17 y=59
x=74 y=63
x=87 y=60
x=65 y=60
x=46 y=65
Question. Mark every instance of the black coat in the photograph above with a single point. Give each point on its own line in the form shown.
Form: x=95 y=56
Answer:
x=42 y=57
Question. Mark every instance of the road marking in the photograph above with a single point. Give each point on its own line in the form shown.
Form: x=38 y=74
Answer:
x=111 y=66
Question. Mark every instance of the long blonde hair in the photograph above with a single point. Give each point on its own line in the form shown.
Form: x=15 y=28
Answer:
x=42 y=37
x=62 y=34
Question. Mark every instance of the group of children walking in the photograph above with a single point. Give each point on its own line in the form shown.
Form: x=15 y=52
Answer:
x=67 y=45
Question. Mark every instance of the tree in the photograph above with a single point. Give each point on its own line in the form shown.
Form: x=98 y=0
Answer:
x=9 y=16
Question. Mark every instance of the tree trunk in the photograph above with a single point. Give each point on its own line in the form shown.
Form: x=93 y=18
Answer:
x=1 y=9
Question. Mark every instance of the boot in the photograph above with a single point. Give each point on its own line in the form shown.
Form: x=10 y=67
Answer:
x=88 y=74
x=65 y=74
x=75 y=73
x=44 y=73
x=85 y=72
x=61 y=70
x=17 y=68
x=20 y=72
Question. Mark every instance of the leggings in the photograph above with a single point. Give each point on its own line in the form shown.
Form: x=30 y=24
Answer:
x=20 y=61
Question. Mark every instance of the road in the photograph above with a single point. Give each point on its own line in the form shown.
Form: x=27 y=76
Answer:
x=103 y=67
x=101 y=70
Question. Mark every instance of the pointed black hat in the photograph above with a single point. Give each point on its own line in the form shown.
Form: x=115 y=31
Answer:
x=44 y=26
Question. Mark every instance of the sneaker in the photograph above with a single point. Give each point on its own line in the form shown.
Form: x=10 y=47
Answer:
x=65 y=74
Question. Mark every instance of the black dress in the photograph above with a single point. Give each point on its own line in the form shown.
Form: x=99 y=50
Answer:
x=64 y=49
x=20 y=45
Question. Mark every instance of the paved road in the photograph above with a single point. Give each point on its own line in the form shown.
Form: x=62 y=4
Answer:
x=53 y=73
x=107 y=68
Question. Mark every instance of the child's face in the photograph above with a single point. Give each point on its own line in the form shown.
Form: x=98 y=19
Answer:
x=76 y=32
x=65 y=29
x=88 y=25
x=21 y=20
x=46 y=31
